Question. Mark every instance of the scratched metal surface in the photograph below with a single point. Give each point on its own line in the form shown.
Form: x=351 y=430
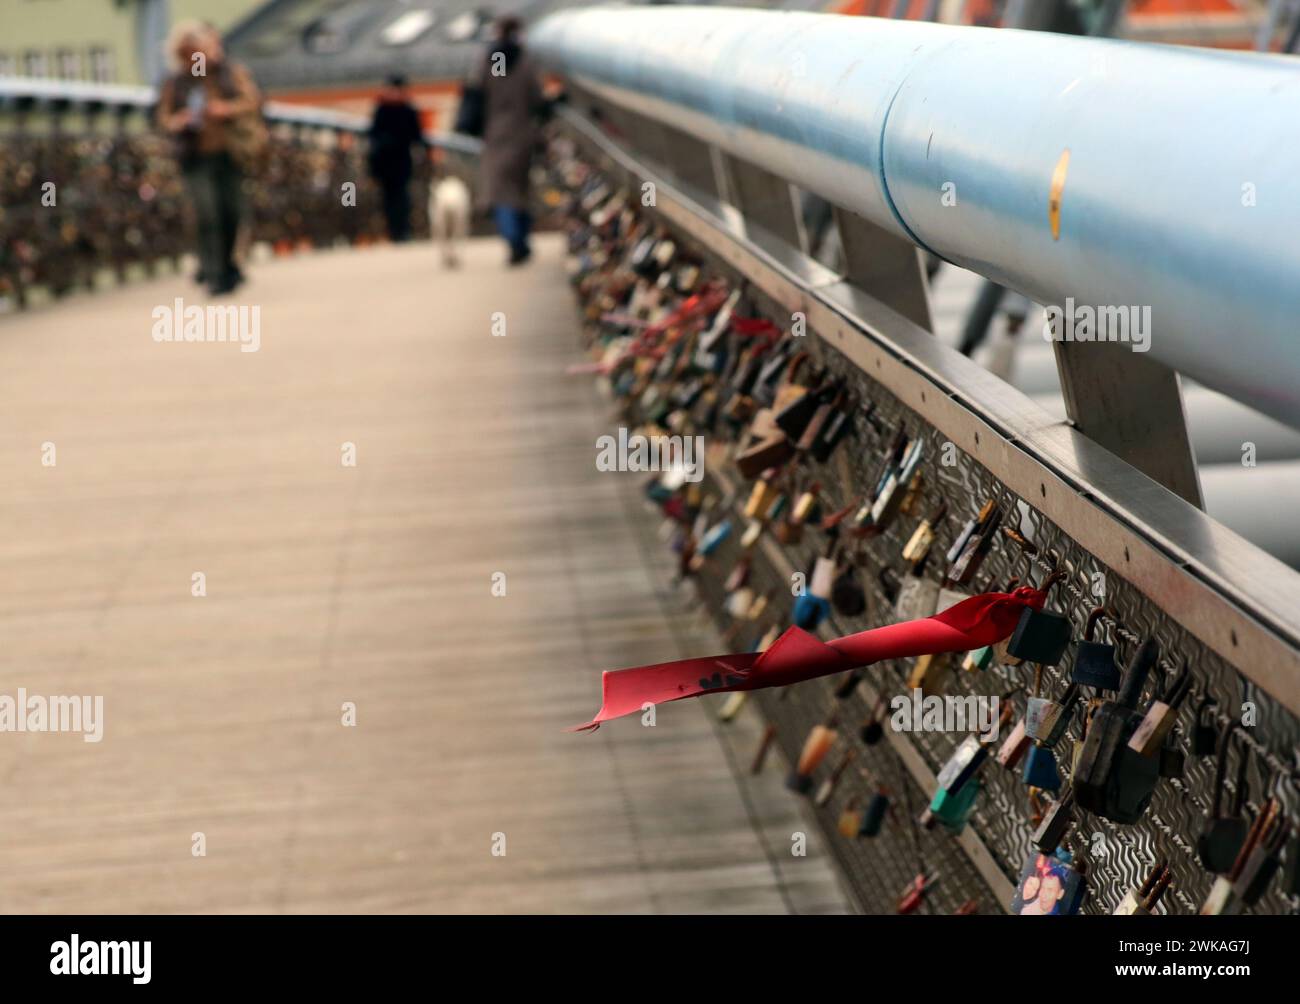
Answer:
x=1116 y=857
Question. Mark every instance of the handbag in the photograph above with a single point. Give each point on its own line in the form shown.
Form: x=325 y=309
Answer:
x=247 y=141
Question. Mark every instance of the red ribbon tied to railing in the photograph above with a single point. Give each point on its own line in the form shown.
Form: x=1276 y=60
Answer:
x=796 y=656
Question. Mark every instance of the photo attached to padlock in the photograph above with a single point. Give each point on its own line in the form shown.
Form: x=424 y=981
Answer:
x=1048 y=885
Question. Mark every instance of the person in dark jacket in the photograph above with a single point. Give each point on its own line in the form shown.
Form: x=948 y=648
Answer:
x=393 y=131
x=201 y=103
x=512 y=105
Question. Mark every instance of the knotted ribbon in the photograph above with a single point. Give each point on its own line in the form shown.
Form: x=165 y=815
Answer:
x=796 y=656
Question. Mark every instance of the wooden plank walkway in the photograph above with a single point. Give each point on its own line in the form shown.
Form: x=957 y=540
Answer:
x=328 y=584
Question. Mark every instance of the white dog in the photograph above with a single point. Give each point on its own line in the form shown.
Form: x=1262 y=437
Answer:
x=449 y=210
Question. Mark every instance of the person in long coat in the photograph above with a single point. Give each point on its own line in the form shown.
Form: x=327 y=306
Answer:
x=512 y=104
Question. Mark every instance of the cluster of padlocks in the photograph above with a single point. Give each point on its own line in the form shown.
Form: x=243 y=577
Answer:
x=1123 y=772
x=77 y=205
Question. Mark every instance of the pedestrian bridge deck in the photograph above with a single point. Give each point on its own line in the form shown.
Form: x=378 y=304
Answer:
x=370 y=584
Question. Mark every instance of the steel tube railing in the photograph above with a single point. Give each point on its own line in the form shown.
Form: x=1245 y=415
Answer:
x=1182 y=190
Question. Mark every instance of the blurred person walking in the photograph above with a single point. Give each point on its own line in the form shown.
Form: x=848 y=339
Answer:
x=394 y=129
x=212 y=106
x=503 y=104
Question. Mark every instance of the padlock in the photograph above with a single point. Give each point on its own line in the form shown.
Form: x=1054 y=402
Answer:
x=837 y=427
x=851 y=818
x=1222 y=836
x=914 y=895
x=911 y=494
x=978 y=659
x=1055 y=822
x=969 y=530
x=963 y=764
x=918 y=545
x=1049 y=886
x=812 y=606
x=1112 y=780
x=890 y=498
x=731 y=707
x=1264 y=858
x=750 y=537
x=977 y=548
x=739 y=601
x=952 y=809
x=873 y=729
x=918 y=597
x=1141 y=902
x=1014 y=747
x=827 y=787
x=931 y=673
x=762 y=495
x=874 y=817
x=739 y=574
x=1040 y=769
x=848 y=686
x=806 y=508
x=1205 y=733
x=1046 y=720
x=1094 y=661
x=765 y=745
x=815 y=747
x=1040 y=637
x=847 y=595
x=1159 y=719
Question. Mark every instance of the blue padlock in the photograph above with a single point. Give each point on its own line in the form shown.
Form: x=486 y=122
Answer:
x=810 y=611
x=1040 y=769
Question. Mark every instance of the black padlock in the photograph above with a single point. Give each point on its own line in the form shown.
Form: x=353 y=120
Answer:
x=1040 y=637
x=1205 y=734
x=873 y=729
x=847 y=595
x=1056 y=821
x=1094 y=661
x=1111 y=780
x=1222 y=836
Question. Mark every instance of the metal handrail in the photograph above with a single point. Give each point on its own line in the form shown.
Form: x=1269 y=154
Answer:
x=75 y=94
x=1179 y=194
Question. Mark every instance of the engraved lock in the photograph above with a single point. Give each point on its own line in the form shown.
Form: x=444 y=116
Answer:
x=918 y=545
x=1223 y=835
x=1112 y=780
x=1094 y=661
x=1049 y=886
x=1149 y=736
x=815 y=747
